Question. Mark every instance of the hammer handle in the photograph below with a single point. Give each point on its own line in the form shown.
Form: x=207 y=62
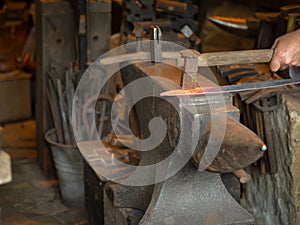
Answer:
x=235 y=57
x=205 y=59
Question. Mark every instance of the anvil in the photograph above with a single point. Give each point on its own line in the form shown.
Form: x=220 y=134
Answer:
x=187 y=190
x=189 y=196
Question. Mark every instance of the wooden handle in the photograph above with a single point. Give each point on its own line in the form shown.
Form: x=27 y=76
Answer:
x=235 y=57
x=205 y=59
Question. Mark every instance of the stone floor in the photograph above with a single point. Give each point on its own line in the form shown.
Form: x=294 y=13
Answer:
x=31 y=199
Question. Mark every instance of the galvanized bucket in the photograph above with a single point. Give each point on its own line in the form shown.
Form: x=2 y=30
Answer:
x=69 y=169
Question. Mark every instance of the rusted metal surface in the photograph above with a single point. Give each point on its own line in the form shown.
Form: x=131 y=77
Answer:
x=235 y=153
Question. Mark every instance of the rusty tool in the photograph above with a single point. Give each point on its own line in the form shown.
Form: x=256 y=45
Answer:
x=264 y=26
x=236 y=73
x=227 y=70
x=247 y=27
x=234 y=77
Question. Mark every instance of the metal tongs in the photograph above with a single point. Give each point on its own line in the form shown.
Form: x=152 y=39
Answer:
x=294 y=73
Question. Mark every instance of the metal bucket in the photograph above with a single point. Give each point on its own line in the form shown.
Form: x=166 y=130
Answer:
x=69 y=169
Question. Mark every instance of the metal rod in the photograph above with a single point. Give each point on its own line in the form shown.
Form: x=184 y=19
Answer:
x=271 y=154
x=63 y=113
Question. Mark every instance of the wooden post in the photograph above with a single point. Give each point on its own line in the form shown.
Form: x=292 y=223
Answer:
x=56 y=48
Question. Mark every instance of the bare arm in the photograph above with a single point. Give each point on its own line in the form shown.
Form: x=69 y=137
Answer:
x=286 y=51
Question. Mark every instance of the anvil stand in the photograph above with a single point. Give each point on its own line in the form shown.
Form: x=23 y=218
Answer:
x=190 y=196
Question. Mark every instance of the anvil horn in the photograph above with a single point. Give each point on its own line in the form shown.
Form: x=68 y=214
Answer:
x=235 y=152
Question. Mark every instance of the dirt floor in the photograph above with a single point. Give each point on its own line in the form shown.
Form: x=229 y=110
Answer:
x=31 y=199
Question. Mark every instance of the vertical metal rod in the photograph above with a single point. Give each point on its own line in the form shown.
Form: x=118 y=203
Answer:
x=155 y=45
x=272 y=163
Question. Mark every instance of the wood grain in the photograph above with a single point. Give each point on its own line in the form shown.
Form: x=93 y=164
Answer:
x=205 y=59
x=235 y=57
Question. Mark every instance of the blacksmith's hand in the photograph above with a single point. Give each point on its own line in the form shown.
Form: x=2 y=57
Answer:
x=286 y=51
